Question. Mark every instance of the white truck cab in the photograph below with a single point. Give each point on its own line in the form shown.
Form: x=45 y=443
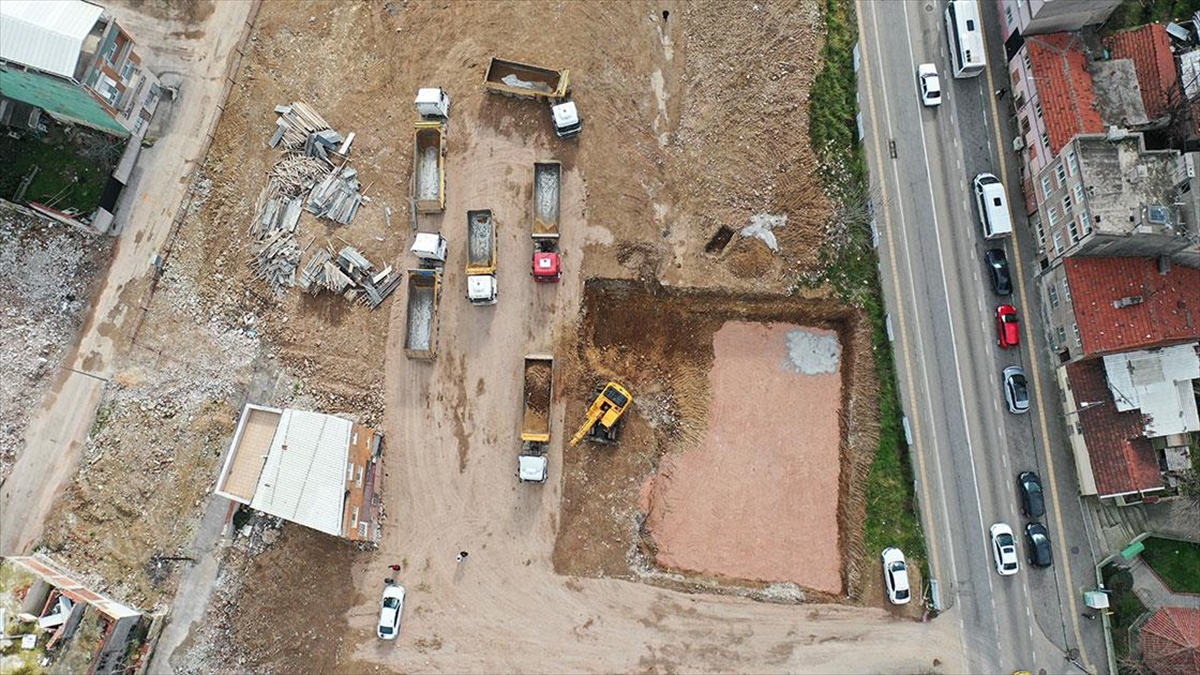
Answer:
x=567 y=123
x=430 y=248
x=481 y=289
x=532 y=468
x=432 y=103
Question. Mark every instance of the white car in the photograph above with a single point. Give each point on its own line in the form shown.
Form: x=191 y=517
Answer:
x=1004 y=549
x=931 y=86
x=895 y=575
x=390 y=609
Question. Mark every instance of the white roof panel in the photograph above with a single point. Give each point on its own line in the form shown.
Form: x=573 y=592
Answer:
x=1158 y=383
x=46 y=34
x=304 y=478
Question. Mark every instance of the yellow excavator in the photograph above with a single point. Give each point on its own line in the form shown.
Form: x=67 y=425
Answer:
x=604 y=414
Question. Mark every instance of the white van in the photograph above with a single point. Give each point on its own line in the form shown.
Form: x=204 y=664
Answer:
x=993 y=206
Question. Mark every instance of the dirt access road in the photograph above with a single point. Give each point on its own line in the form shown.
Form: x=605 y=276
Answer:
x=197 y=57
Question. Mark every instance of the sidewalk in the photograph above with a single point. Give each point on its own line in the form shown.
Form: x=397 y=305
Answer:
x=1153 y=593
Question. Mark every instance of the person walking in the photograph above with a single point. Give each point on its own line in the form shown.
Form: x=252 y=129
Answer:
x=1001 y=92
x=462 y=555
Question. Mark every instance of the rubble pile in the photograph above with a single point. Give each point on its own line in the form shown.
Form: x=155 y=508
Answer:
x=306 y=178
x=350 y=274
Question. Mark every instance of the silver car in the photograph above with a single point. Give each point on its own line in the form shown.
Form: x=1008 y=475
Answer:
x=1016 y=390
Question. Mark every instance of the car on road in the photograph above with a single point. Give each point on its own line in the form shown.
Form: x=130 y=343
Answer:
x=390 y=608
x=1037 y=545
x=1004 y=549
x=1008 y=332
x=931 y=86
x=895 y=576
x=1033 y=503
x=997 y=262
x=1016 y=390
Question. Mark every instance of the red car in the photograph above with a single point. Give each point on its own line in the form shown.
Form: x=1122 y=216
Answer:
x=1007 y=331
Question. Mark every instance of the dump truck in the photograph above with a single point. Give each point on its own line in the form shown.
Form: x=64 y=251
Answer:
x=429 y=170
x=481 y=257
x=421 y=319
x=535 y=422
x=602 y=424
x=521 y=80
x=547 y=189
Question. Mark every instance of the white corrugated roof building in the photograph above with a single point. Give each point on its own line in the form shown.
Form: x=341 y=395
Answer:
x=310 y=468
x=1159 y=384
x=46 y=34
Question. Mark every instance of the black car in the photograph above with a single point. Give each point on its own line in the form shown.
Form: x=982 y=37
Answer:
x=997 y=263
x=1032 y=503
x=1037 y=545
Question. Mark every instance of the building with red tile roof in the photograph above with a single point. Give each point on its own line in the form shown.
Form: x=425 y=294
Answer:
x=1170 y=641
x=1112 y=453
x=1123 y=304
x=1149 y=47
x=1054 y=95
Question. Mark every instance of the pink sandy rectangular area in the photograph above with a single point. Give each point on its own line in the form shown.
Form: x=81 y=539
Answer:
x=758 y=499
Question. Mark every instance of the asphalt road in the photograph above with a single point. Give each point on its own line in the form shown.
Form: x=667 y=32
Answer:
x=968 y=449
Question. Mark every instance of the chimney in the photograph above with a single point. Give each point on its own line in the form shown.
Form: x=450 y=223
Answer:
x=1164 y=264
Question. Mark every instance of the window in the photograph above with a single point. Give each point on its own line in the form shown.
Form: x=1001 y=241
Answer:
x=1046 y=141
x=1058 y=244
x=1008 y=15
x=1025 y=59
x=1078 y=342
x=1041 y=231
x=1066 y=291
x=1085 y=219
x=1053 y=293
x=128 y=71
x=1047 y=185
x=1052 y=216
x=970 y=25
x=109 y=50
x=1061 y=172
x=1072 y=162
x=1062 y=335
x=1079 y=193
x=1024 y=124
x=1037 y=108
x=1074 y=230
x=1067 y=205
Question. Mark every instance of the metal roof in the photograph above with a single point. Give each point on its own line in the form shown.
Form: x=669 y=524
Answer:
x=1159 y=384
x=304 y=477
x=46 y=34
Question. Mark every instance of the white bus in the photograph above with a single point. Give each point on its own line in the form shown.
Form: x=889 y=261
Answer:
x=965 y=36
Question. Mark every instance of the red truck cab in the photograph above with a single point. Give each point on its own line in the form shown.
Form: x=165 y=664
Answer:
x=547 y=266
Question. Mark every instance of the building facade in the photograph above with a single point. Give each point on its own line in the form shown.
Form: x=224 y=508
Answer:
x=72 y=60
x=1107 y=195
x=1035 y=17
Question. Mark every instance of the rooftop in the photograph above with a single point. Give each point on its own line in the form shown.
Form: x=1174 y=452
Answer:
x=1064 y=86
x=1124 y=180
x=310 y=468
x=1159 y=309
x=1170 y=641
x=1122 y=458
x=1118 y=93
x=1159 y=384
x=46 y=34
x=1149 y=47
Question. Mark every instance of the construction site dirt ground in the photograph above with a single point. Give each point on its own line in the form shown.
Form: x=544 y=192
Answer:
x=695 y=126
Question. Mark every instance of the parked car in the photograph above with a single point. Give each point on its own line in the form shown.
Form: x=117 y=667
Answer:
x=895 y=576
x=1037 y=545
x=1004 y=549
x=1033 y=504
x=1008 y=333
x=390 y=609
x=931 y=86
x=1016 y=390
x=997 y=262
